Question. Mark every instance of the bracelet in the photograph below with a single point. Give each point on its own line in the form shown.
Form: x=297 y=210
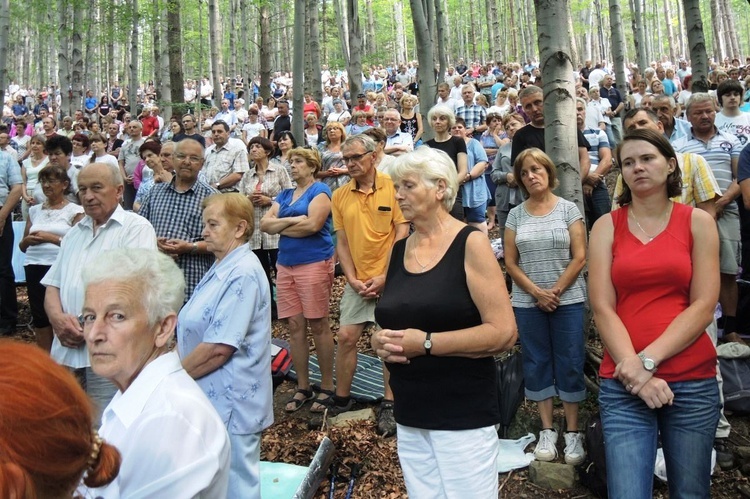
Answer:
x=194 y=249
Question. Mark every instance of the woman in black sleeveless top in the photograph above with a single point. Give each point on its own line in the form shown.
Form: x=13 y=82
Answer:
x=445 y=312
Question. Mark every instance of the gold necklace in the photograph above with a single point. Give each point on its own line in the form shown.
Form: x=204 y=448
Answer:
x=661 y=228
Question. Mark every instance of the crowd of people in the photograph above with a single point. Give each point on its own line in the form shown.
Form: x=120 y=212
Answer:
x=142 y=230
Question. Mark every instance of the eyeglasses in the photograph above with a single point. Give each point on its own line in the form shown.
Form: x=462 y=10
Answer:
x=355 y=157
x=191 y=159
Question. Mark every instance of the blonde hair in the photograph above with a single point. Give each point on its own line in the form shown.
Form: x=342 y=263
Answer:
x=235 y=207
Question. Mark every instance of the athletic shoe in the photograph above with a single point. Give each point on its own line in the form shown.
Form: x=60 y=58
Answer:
x=546 y=449
x=574 y=453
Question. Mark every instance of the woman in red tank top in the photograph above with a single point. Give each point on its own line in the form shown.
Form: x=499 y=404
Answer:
x=654 y=283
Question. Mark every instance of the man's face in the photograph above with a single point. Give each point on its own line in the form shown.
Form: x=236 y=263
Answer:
x=731 y=100
x=467 y=94
x=189 y=123
x=219 y=135
x=702 y=116
x=533 y=106
x=359 y=162
x=607 y=81
x=647 y=101
x=43 y=113
x=335 y=91
x=117 y=331
x=361 y=101
x=642 y=121
x=660 y=73
x=187 y=160
x=443 y=92
x=391 y=122
x=283 y=109
x=457 y=81
x=134 y=130
x=225 y=104
x=580 y=115
x=166 y=156
x=98 y=193
x=114 y=130
x=399 y=93
x=48 y=125
x=77 y=116
x=4 y=140
x=663 y=109
x=67 y=123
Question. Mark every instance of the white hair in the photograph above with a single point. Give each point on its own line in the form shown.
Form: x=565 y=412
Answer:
x=429 y=165
x=161 y=280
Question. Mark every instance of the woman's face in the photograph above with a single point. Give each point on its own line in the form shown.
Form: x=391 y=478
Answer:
x=338 y=107
x=220 y=234
x=36 y=147
x=175 y=128
x=334 y=133
x=414 y=197
x=285 y=143
x=97 y=146
x=361 y=120
x=642 y=86
x=458 y=130
x=152 y=160
x=408 y=104
x=311 y=121
x=53 y=188
x=657 y=87
x=439 y=123
x=257 y=152
x=534 y=176
x=78 y=148
x=512 y=127
x=300 y=169
x=271 y=103
x=644 y=167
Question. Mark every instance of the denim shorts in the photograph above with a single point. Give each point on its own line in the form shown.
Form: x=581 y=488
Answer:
x=477 y=214
x=553 y=351
x=687 y=429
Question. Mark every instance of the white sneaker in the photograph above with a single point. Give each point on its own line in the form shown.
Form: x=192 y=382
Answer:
x=546 y=449
x=574 y=453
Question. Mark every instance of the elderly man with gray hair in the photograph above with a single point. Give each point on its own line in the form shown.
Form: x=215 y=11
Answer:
x=106 y=226
x=172 y=441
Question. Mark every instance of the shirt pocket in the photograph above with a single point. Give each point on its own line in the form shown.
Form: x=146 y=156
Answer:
x=560 y=238
x=382 y=222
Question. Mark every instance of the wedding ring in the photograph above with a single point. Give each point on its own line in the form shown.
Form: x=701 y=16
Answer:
x=630 y=387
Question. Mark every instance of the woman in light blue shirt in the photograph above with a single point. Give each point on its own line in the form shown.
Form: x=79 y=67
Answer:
x=224 y=336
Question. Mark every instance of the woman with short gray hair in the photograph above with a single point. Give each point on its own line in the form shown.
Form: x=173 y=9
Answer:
x=445 y=312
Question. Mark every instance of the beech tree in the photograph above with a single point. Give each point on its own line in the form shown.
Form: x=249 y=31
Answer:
x=696 y=44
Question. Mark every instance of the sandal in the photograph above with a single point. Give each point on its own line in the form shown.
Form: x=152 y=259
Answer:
x=297 y=403
x=322 y=403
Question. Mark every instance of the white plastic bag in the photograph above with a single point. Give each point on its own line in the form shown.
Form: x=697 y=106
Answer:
x=660 y=467
x=512 y=455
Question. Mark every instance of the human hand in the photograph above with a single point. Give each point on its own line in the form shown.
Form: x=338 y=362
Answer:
x=31 y=240
x=373 y=287
x=388 y=347
x=632 y=374
x=547 y=299
x=129 y=179
x=510 y=179
x=656 y=393
x=68 y=330
x=588 y=190
x=357 y=285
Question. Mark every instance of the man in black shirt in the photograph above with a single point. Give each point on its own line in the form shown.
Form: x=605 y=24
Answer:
x=188 y=123
x=532 y=135
x=283 y=122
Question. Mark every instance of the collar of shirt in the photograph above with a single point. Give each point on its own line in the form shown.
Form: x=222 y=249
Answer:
x=223 y=268
x=118 y=216
x=354 y=186
x=126 y=406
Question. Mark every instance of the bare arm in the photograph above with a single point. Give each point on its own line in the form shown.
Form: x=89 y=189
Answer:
x=207 y=358
x=578 y=257
x=66 y=326
x=317 y=214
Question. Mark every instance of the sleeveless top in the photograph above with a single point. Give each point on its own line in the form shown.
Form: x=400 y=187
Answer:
x=652 y=282
x=410 y=126
x=431 y=392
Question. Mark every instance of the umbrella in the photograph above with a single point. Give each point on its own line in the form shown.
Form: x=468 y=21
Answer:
x=509 y=388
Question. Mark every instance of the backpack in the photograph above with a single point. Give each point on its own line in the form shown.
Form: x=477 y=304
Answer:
x=593 y=470
x=736 y=375
x=281 y=361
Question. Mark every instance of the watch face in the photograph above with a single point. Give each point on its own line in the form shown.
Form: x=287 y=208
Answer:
x=648 y=364
x=428 y=343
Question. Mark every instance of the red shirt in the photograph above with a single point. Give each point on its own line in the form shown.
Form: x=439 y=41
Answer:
x=150 y=123
x=365 y=109
x=652 y=282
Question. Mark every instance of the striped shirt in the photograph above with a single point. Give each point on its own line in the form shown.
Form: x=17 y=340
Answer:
x=227 y=159
x=719 y=152
x=543 y=244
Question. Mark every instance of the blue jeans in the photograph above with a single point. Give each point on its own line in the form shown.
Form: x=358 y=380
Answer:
x=553 y=351
x=687 y=433
x=597 y=204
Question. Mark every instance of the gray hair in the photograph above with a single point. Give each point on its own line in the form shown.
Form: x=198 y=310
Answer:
x=161 y=280
x=442 y=110
x=664 y=97
x=114 y=172
x=429 y=165
x=699 y=98
x=362 y=139
x=581 y=100
x=530 y=90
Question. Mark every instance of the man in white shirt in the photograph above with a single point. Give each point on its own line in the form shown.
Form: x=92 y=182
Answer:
x=106 y=226
x=443 y=98
x=6 y=147
x=227 y=115
x=226 y=159
x=731 y=119
x=397 y=142
x=172 y=441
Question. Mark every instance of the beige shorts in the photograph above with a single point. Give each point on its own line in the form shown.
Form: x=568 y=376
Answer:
x=355 y=309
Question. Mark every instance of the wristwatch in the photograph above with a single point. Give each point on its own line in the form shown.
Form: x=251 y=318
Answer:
x=427 y=344
x=648 y=364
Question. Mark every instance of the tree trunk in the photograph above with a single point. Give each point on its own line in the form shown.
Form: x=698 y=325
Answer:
x=26 y=68
x=133 y=86
x=165 y=89
x=618 y=46
x=599 y=29
x=398 y=15
x=315 y=84
x=670 y=31
x=213 y=28
x=265 y=50
x=531 y=42
x=473 y=30
x=248 y=72
x=174 y=52
x=62 y=56
x=372 y=47
x=639 y=38
x=514 y=34
x=233 y=11
x=573 y=46
x=343 y=28
x=156 y=29
x=589 y=22
x=286 y=61
x=697 y=44
x=441 y=27
x=4 y=39
x=425 y=55
x=733 y=45
x=489 y=6
x=681 y=35
x=299 y=63
x=446 y=28
x=111 y=71
x=561 y=131
x=354 y=67
x=718 y=31
x=323 y=16
x=495 y=31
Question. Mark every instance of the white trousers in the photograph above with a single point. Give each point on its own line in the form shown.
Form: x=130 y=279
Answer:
x=449 y=464
x=244 y=475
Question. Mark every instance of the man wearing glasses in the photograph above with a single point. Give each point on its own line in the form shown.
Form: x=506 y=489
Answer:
x=191 y=132
x=397 y=142
x=367 y=221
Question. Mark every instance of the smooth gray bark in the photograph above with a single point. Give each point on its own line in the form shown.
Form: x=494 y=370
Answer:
x=174 y=44
x=696 y=44
x=354 y=66
x=299 y=63
x=315 y=83
x=4 y=37
x=618 y=46
x=425 y=54
x=134 y=58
